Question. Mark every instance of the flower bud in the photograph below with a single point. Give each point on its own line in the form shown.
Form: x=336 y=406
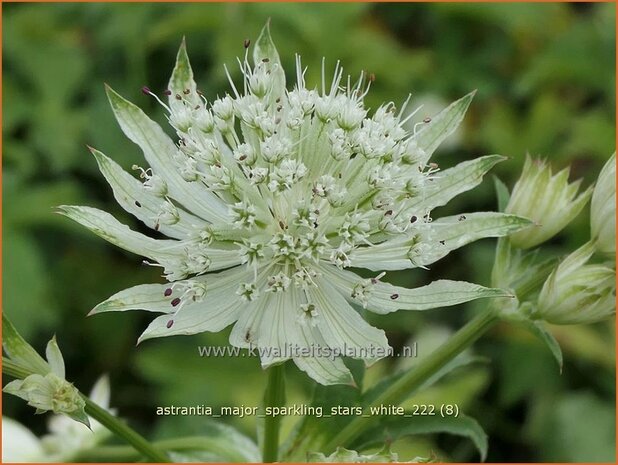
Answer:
x=578 y=293
x=549 y=200
x=603 y=209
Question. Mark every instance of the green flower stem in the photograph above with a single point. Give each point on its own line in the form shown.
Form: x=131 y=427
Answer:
x=112 y=423
x=122 y=430
x=410 y=381
x=273 y=397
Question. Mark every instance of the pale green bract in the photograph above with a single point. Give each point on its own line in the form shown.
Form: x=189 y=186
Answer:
x=46 y=389
x=281 y=191
x=548 y=199
x=65 y=439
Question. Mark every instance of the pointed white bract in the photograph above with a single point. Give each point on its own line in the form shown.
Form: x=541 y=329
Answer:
x=283 y=189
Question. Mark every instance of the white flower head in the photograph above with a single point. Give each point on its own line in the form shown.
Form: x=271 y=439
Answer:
x=304 y=183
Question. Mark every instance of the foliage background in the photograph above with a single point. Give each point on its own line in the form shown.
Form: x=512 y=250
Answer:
x=546 y=85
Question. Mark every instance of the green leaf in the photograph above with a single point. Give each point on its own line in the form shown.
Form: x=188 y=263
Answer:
x=386 y=298
x=432 y=241
x=265 y=54
x=148 y=297
x=19 y=351
x=109 y=228
x=431 y=135
x=54 y=358
x=502 y=192
x=447 y=184
x=392 y=428
x=342 y=455
x=135 y=199
x=539 y=330
x=182 y=80
x=220 y=443
x=159 y=151
x=311 y=432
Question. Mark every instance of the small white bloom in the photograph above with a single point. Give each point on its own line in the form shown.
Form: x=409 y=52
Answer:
x=310 y=185
x=66 y=438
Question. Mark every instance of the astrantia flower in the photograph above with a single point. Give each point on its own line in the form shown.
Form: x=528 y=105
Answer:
x=548 y=199
x=66 y=438
x=269 y=195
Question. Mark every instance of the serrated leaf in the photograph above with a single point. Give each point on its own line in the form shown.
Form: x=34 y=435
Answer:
x=159 y=151
x=447 y=184
x=431 y=135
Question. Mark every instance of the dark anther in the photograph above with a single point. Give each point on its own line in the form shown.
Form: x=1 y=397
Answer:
x=242 y=157
x=167 y=92
x=442 y=242
x=372 y=77
x=265 y=60
x=186 y=91
x=175 y=302
x=156 y=226
x=168 y=292
x=137 y=204
x=169 y=324
x=388 y=213
x=427 y=120
x=462 y=217
x=146 y=90
x=413 y=219
x=281 y=224
x=394 y=296
x=178 y=97
x=246 y=43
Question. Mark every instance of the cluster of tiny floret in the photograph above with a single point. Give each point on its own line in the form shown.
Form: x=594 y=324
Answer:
x=309 y=176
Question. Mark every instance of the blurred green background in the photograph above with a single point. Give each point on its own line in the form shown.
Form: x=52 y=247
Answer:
x=546 y=85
